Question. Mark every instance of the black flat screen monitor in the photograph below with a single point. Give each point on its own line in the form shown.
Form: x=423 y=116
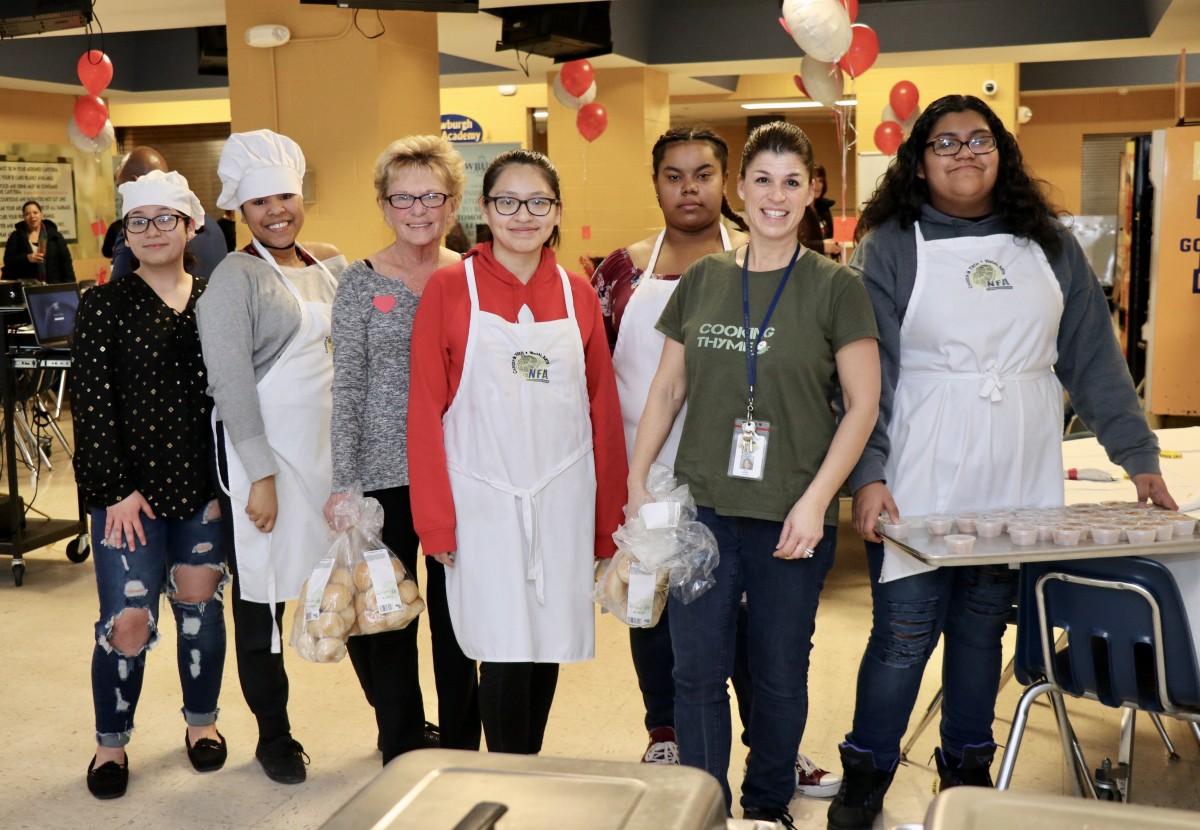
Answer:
x=52 y=310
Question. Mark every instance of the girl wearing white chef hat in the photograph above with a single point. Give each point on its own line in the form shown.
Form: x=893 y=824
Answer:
x=265 y=329
x=142 y=465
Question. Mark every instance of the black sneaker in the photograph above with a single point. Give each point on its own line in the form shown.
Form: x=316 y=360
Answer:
x=206 y=754
x=860 y=798
x=973 y=769
x=777 y=816
x=432 y=739
x=109 y=780
x=283 y=760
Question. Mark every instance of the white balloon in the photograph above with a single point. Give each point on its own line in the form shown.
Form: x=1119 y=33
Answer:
x=889 y=114
x=822 y=80
x=820 y=27
x=103 y=140
x=570 y=101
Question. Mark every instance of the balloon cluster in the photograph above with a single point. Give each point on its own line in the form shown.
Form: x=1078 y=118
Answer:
x=834 y=45
x=898 y=117
x=575 y=88
x=89 y=129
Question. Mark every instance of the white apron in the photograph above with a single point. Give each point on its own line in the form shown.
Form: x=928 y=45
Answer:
x=296 y=401
x=519 y=452
x=639 y=347
x=977 y=418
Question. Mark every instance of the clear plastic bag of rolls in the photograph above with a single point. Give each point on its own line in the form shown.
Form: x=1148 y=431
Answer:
x=634 y=594
x=359 y=588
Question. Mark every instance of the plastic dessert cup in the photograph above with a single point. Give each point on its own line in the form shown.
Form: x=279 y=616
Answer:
x=899 y=530
x=1046 y=531
x=1163 y=530
x=1023 y=534
x=959 y=543
x=966 y=522
x=940 y=525
x=1141 y=535
x=989 y=528
x=1106 y=534
x=1066 y=536
x=1184 y=525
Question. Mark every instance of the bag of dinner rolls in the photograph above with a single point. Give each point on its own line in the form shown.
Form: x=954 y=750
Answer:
x=360 y=587
x=631 y=592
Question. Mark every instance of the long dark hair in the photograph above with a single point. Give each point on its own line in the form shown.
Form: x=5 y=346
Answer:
x=530 y=158
x=681 y=135
x=1018 y=199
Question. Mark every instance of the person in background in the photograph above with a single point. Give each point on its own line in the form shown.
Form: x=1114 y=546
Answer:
x=36 y=249
x=228 y=225
x=802 y=329
x=456 y=239
x=816 y=230
x=419 y=182
x=987 y=309
x=516 y=457
x=206 y=248
x=265 y=328
x=634 y=284
x=141 y=463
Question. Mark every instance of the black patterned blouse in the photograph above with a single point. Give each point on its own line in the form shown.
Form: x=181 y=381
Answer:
x=138 y=400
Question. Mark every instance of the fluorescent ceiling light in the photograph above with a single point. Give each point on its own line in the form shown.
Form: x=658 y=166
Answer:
x=794 y=105
x=541 y=114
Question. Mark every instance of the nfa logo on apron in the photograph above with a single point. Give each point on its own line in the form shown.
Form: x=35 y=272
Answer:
x=531 y=366
x=988 y=275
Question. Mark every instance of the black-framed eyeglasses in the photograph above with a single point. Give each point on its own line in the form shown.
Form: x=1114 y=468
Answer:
x=507 y=205
x=166 y=222
x=403 y=201
x=980 y=145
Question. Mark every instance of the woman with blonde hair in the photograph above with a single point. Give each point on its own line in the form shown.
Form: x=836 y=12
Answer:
x=419 y=184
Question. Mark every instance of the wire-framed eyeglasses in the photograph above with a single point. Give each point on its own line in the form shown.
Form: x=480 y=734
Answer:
x=507 y=205
x=945 y=145
x=403 y=201
x=165 y=222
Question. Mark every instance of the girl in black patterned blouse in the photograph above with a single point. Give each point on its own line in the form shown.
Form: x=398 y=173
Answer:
x=142 y=465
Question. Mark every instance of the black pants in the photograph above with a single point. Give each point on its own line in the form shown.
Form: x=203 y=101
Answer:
x=387 y=666
x=514 y=702
x=261 y=674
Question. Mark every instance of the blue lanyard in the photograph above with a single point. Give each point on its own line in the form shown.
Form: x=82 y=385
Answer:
x=752 y=347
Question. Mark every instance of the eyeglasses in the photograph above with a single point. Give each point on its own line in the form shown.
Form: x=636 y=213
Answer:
x=403 y=201
x=980 y=145
x=507 y=205
x=165 y=222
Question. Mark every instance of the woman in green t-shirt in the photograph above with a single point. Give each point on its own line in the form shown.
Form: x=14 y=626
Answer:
x=759 y=341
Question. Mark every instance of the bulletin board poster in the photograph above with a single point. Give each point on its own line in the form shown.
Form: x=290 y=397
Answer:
x=477 y=158
x=49 y=183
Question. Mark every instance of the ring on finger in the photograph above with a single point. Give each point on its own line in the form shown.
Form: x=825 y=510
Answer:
x=808 y=552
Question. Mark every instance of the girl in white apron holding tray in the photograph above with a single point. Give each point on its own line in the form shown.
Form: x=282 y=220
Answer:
x=265 y=331
x=516 y=455
x=986 y=309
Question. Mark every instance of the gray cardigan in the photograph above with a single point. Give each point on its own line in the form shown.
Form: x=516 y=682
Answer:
x=372 y=327
x=246 y=319
x=1090 y=364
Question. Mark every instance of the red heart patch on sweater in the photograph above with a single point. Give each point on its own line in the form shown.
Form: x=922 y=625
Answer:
x=384 y=303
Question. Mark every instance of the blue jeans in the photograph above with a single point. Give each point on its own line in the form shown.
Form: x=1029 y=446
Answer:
x=134 y=580
x=782 y=597
x=971 y=606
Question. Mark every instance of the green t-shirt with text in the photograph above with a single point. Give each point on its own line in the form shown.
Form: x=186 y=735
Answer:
x=823 y=307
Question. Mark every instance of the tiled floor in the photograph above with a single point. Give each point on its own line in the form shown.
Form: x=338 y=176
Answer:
x=47 y=732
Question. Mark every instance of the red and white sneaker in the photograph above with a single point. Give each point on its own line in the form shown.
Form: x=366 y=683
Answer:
x=813 y=781
x=663 y=748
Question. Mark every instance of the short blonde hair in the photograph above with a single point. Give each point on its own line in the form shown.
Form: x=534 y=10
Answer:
x=433 y=153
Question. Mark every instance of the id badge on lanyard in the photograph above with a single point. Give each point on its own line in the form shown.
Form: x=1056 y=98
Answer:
x=748 y=451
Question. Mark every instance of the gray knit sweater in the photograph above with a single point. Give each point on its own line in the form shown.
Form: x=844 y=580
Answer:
x=246 y=319
x=1090 y=364
x=372 y=326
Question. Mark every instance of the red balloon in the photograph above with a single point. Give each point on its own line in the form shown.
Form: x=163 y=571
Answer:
x=90 y=114
x=888 y=137
x=799 y=82
x=851 y=9
x=591 y=121
x=864 y=49
x=577 y=77
x=95 y=71
x=904 y=99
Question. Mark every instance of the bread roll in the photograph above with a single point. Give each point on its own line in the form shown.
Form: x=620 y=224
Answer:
x=330 y=650
x=340 y=576
x=408 y=591
x=328 y=624
x=362 y=576
x=348 y=615
x=360 y=603
x=398 y=568
x=336 y=597
x=622 y=564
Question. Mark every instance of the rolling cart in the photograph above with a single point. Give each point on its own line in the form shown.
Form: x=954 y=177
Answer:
x=39 y=532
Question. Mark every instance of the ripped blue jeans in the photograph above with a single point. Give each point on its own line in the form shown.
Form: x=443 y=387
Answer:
x=970 y=607
x=134 y=580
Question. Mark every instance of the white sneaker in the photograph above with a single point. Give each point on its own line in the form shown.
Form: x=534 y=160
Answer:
x=813 y=781
x=664 y=752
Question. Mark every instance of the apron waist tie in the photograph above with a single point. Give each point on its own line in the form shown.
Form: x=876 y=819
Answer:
x=993 y=380
x=534 y=571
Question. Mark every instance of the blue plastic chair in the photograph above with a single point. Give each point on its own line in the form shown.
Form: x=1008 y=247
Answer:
x=1111 y=630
